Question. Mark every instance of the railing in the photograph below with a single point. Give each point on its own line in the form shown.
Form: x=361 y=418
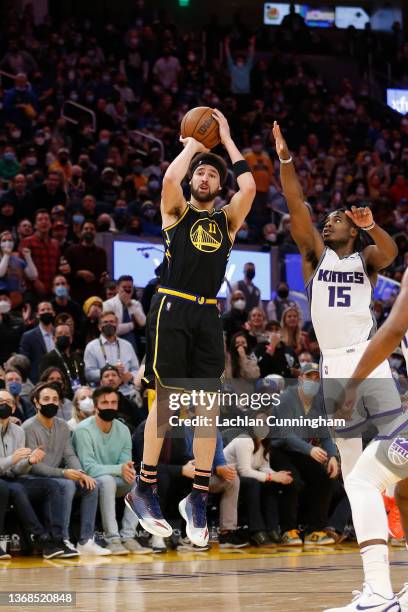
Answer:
x=76 y=117
x=136 y=135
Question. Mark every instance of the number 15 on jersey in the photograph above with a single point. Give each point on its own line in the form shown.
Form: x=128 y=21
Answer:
x=339 y=296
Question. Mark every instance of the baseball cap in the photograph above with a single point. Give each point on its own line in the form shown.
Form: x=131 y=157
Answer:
x=310 y=367
x=109 y=368
x=90 y=302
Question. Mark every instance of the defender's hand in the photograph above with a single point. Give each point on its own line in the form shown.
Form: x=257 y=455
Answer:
x=361 y=216
x=280 y=143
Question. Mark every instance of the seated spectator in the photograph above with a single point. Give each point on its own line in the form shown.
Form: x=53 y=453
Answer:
x=88 y=265
x=255 y=327
x=61 y=302
x=233 y=320
x=50 y=193
x=243 y=361
x=67 y=361
x=45 y=252
x=21 y=197
x=54 y=375
x=9 y=165
x=274 y=356
x=13 y=270
x=82 y=407
x=22 y=365
x=292 y=334
x=20 y=102
x=62 y=465
x=24 y=230
x=17 y=460
x=249 y=455
x=108 y=348
x=128 y=311
x=104 y=447
x=14 y=385
x=305 y=358
x=92 y=308
x=130 y=408
x=312 y=458
x=11 y=327
x=40 y=340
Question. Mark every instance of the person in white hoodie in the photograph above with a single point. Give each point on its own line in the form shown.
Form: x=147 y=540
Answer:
x=249 y=455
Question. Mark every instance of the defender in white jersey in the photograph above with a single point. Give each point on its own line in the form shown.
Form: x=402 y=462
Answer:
x=383 y=463
x=340 y=276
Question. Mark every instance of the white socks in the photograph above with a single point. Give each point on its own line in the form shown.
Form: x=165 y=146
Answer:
x=377 y=569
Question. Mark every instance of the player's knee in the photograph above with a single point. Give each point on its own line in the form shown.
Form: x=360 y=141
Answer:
x=401 y=493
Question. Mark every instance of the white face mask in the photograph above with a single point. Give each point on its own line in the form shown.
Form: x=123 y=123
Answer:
x=239 y=304
x=86 y=405
x=7 y=244
x=5 y=306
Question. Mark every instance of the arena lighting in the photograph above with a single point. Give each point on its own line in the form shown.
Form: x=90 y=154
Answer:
x=184 y=3
x=397 y=99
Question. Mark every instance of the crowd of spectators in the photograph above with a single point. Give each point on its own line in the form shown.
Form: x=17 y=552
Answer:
x=72 y=340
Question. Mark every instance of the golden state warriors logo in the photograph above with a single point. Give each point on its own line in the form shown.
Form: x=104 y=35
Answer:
x=206 y=236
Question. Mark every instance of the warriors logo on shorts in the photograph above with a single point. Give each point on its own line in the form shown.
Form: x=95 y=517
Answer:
x=206 y=236
x=398 y=451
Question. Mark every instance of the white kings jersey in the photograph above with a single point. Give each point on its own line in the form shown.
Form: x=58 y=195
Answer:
x=340 y=295
x=404 y=347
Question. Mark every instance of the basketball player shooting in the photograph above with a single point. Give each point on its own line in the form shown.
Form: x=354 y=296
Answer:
x=339 y=280
x=184 y=328
x=384 y=463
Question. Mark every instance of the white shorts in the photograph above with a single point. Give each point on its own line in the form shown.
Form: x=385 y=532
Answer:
x=378 y=397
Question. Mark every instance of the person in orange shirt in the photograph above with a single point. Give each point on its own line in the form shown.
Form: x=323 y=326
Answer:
x=263 y=172
x=62 y=164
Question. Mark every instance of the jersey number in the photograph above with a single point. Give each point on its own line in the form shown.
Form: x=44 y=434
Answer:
x=339 y=296
x=212 y=229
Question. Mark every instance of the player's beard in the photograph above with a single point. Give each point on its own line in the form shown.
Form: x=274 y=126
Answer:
x=203 y=197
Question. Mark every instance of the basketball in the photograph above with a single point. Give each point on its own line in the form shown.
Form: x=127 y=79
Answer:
x=201 y=125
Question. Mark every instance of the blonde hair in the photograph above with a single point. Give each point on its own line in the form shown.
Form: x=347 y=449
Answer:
x=291 y=338
x=75 y=403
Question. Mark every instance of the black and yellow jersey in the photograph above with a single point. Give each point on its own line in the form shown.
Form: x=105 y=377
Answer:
x=197 y=248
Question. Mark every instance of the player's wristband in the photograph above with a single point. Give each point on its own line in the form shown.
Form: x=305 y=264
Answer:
x=240 y=167
x=286 y=161
x=369 y=227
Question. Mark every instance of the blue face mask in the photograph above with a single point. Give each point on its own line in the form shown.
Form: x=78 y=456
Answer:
x=242 y=234
x=9 y=157
x=78 y=218
x=310 y=387
x=61 y=291
x=15 y=388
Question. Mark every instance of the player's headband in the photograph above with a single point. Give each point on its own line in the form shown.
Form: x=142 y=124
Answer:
x=210 y=159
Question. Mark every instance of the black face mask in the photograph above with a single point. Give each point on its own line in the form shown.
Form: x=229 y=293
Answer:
x=108 y=414
x=104 y=227
x=250 y=274
x=47 y=318
x=88 y=237
x=283 y=293
x=48 y=410
x=63 y=342
x=108 y=330
x=5 y=411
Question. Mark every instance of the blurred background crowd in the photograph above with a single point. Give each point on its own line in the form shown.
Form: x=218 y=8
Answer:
x=89 y=122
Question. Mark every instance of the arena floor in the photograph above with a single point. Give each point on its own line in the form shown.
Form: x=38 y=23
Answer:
x=253 y=579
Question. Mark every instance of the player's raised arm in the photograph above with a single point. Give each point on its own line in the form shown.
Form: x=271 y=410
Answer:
x=304 y=233
x=381 y=254
x=172 y=199
x=388 y=337
x=241 y=202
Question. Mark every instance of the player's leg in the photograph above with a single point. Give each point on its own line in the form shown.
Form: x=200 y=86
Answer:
x=401 y=499
x=364 y=486
x=143 y=499
x=350 y=450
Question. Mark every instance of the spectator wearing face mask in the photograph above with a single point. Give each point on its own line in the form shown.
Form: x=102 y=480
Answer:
x=276 y=307
x=22 y=365
x=14 y=384
x=15 y=270
x=130 y=408
x=311 y=456
x=40 y=340
x=234 y=319
x=61 y=302
x=88 y=265
x=9 y=165
x=67 y=361
x=109 y=349
x=54 y=375
x=92 y=308
x=11 y=327
x=82 y=407
x=62 y=465
x=251 y=292
x=62 y=164
x=128 y=310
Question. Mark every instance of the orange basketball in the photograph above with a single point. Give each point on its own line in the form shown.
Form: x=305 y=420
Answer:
x=201 y=125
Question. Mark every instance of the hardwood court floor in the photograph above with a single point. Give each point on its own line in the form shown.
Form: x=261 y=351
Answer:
x=252 y=579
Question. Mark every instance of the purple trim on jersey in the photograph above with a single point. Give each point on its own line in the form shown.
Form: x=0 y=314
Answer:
x=308 y=285
x=388 y=412
x=374 y=320
x=399 y=428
